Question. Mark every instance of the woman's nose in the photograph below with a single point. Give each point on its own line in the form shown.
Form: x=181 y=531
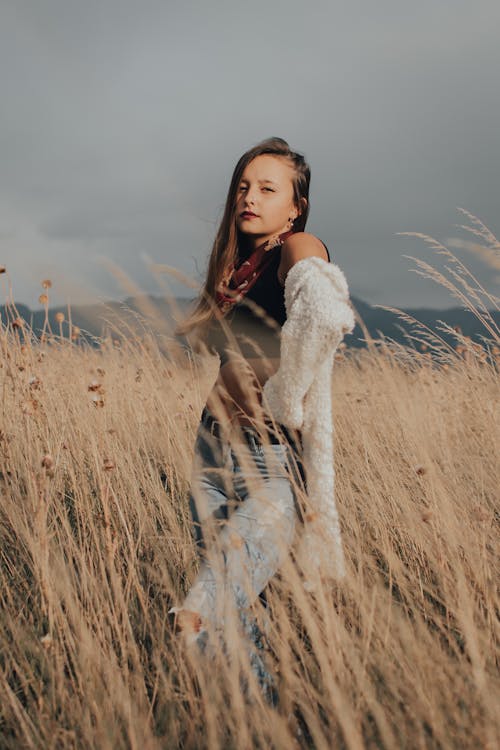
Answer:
x=249 y=197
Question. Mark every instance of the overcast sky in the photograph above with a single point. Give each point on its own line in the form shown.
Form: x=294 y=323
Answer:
x=121 y=123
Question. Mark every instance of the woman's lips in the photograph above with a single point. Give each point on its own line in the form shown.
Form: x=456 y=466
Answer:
x=247 y=215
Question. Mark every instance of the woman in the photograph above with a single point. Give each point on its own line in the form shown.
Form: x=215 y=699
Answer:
x=246 y=468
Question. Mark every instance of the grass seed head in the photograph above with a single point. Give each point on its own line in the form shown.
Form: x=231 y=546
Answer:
x=46 y=641
x=47 y=461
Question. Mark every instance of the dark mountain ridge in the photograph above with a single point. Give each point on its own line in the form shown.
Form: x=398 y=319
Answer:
x=147 y=312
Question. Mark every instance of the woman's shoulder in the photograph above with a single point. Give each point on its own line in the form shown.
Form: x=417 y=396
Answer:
x=305 y=244
x=298 y=246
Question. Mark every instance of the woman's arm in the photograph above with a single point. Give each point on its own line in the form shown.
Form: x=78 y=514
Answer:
x=318 y=317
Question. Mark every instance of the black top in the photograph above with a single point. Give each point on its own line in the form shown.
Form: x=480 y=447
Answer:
x=256 y=321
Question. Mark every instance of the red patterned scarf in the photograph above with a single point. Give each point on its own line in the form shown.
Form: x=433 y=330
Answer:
x=245 y=274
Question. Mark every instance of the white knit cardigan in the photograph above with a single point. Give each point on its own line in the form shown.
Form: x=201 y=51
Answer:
x=299 y=395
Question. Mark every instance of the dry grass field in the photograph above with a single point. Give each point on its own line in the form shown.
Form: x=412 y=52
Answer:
x=95 y=547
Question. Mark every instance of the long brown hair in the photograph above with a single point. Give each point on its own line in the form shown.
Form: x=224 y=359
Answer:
x=225 y=247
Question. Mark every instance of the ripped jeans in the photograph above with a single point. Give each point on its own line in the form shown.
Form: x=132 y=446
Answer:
x=244 y=511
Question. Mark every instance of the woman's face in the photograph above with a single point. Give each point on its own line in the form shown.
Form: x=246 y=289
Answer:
x=266 y=191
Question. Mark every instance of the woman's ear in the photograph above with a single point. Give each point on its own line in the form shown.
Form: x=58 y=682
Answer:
x=302 y=206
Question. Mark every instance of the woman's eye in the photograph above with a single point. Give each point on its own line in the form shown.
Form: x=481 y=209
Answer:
x=270 y=189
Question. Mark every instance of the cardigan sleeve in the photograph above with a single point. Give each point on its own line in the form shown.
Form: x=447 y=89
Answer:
x=318 y=316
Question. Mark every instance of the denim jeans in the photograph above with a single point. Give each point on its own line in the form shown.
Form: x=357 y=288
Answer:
x=243 y=507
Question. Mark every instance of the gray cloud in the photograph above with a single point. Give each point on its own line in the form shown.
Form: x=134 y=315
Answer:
x=122 y=122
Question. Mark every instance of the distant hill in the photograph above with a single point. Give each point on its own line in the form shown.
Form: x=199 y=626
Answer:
x=136 y=314
x=391 y=325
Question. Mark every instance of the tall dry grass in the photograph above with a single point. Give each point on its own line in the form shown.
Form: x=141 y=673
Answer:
x=95 y=546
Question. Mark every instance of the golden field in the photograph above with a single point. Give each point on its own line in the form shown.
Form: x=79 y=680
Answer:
x=95 y=546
